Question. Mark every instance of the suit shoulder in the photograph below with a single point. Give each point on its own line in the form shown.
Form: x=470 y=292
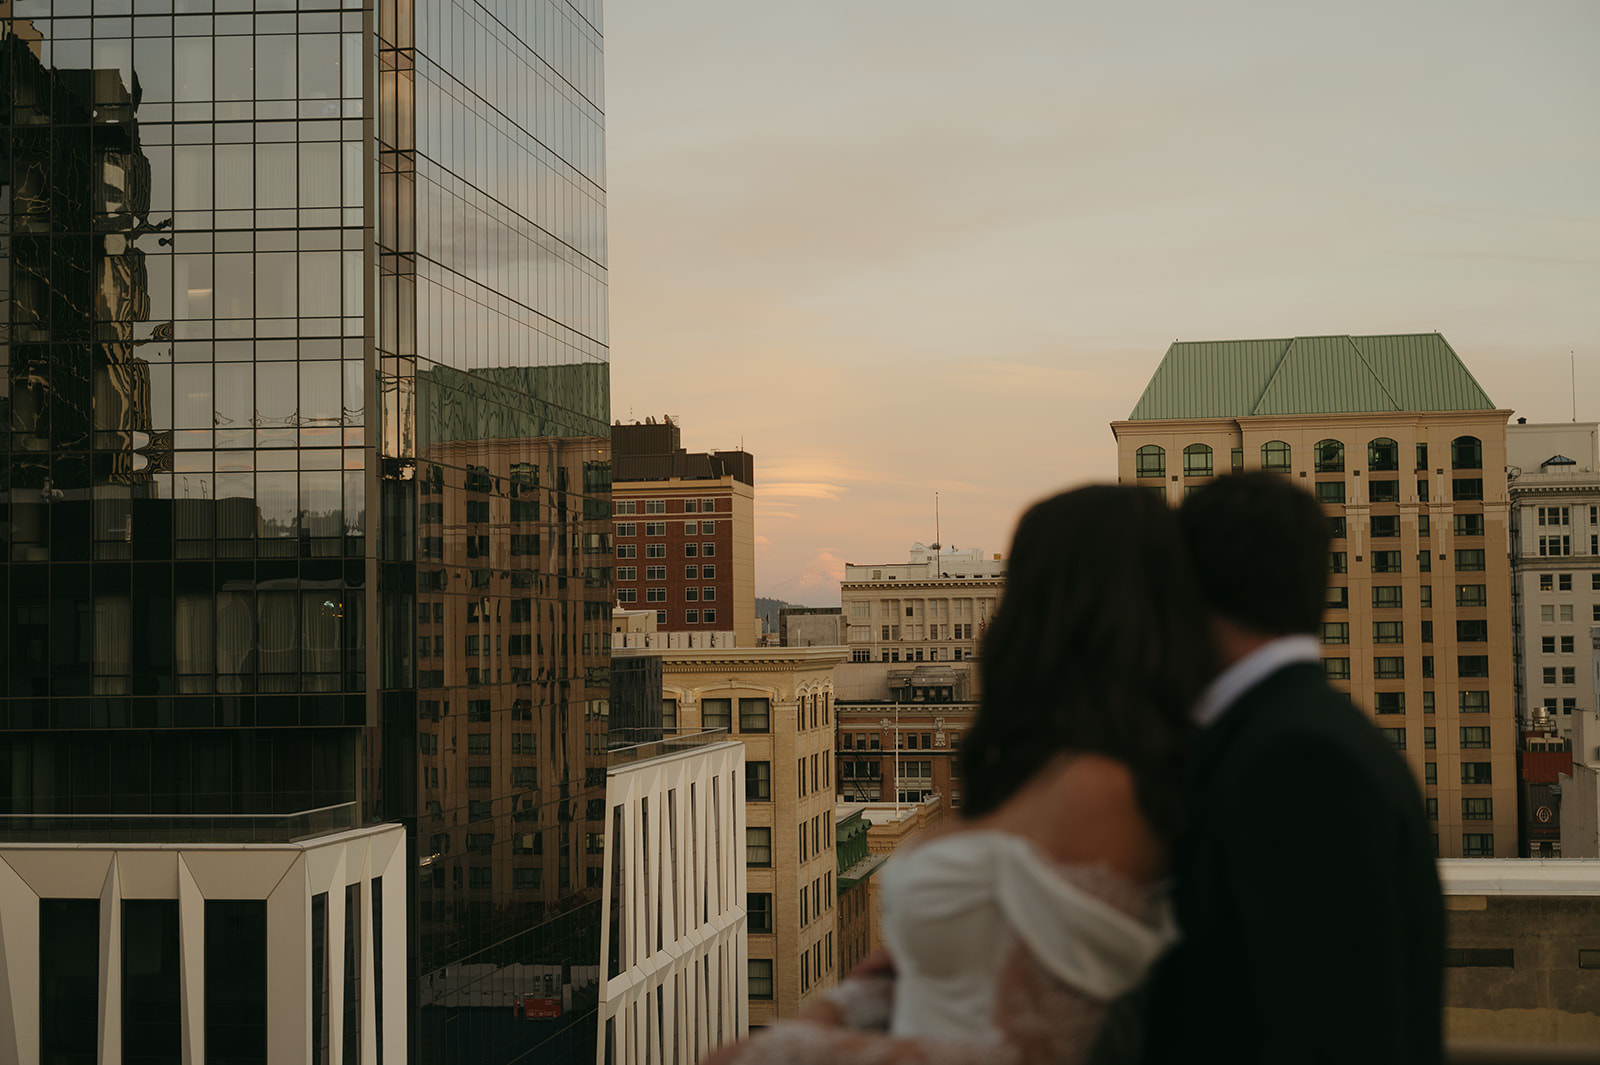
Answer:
x=1307 y=720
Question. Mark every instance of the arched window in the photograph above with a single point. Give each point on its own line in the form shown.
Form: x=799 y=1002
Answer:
x=1197 y=461
x=1275 y=455
x=1383 y=454
x=1151 y=461
x=1330 y=456
x=1466 y=453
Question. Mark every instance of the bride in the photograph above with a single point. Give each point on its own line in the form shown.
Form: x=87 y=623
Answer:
x=1008 y=934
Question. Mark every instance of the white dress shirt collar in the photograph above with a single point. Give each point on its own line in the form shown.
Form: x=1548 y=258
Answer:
x=1251 y=670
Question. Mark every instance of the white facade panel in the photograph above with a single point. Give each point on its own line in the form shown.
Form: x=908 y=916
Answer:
x=284 y=875
x=675 y=896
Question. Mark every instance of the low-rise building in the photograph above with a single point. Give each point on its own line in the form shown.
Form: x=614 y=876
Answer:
x=905 y=751
x=1522 y=958
x=1543 y=758
x=278 y=935
x=888 y=826
x=856 y=864
x=674 y=944
x=778 y=703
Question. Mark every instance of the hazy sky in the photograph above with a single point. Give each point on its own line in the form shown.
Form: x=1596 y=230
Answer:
x=899 y=246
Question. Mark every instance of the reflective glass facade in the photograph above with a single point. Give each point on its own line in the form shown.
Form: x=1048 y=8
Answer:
x=304 y=458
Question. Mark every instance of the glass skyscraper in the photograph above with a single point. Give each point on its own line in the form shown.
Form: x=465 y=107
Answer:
x=305 y=469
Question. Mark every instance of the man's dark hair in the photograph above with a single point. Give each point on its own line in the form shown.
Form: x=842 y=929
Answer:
x=1259 y=545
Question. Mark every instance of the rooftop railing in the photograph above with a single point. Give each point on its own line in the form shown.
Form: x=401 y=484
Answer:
x=670 y=742
x=170 y=828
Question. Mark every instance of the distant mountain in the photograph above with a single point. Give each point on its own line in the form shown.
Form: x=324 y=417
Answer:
x=767 y=610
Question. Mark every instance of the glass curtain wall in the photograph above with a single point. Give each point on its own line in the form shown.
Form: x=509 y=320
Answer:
x=182 y=492
x=495 y=582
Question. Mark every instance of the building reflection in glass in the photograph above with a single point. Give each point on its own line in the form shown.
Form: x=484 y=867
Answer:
x=511 y=624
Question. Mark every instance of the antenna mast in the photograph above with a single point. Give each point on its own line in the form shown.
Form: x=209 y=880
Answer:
x=1572 y=360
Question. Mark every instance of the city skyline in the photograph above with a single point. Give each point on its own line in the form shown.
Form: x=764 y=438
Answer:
x=1108 y=186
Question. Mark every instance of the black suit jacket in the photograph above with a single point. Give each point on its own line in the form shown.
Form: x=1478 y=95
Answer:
x=1306 y=891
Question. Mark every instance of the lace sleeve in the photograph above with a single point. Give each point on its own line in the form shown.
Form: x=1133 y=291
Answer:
x=1042 y=1017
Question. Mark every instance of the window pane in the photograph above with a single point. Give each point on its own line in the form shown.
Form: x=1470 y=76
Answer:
x=319 y=285
x=235 y=295
x=275 y=284
x=275 y=176
x=236 y=177
x=192 y=68
x=275 y=63
x=234 y=63
x=319 y=176
x=319 y=66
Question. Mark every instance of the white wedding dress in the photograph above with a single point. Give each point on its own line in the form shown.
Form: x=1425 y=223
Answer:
x=1000 y=954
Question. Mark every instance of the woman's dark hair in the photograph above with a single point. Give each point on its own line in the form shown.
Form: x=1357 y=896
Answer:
x=1099 y=645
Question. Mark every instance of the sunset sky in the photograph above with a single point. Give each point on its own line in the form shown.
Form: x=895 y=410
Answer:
x=900 y=246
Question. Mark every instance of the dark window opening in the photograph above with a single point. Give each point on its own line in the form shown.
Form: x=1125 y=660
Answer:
x=1479 y=958
x=69 y=980
x=152 y=1020
x=236 y=982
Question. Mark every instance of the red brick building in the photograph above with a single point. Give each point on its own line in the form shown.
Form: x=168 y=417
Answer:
x=684 y=531
x=908 y=748
x=1543 y=757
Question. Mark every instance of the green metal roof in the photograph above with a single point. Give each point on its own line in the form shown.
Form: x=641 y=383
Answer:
x=1309 y=375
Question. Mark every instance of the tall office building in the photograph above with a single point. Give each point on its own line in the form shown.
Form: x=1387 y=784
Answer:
x=685 y=533
x=305 y=522
x=1398 y=441
x=1555 y=565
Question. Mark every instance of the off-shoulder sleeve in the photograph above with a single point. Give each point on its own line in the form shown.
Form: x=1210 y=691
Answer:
x=1080 y=939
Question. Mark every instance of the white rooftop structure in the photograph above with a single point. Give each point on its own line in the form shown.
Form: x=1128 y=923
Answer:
x=930 y=563
x=1562 y=448
x=1520 y=876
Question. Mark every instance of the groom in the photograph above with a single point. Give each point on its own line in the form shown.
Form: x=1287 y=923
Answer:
x=1312 y=921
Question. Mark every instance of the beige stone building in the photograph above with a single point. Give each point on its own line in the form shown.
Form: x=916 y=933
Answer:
x=777 y=701
x=1408 y=455
x=932 y=608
